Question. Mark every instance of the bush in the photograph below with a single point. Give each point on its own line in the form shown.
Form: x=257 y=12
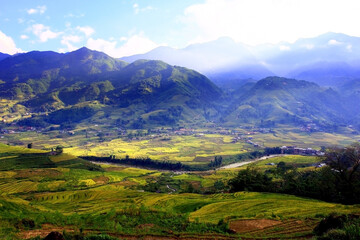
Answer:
x=334 y=234
x=344 y=227
x=99 y=237
x=352 y=230
x=250 y=179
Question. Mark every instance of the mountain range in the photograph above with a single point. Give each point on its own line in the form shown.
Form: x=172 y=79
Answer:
x=86 y=86
x=83 y=84
x=330 y=59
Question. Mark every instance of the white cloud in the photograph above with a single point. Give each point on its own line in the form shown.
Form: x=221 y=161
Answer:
x=334 y=42
x=309 y=46
x=68 y=41
x=284 y=48
x=349 y=47
x=270 y=21
x=135 y=44
x=88 y=31
x=24 y=36
x=70 y=15
x=137 y=8
x=38 y=9
x=43 y=32
x=7 y=44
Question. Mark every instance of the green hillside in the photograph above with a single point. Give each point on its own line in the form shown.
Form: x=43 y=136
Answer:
x=274 y=100
x=29 y=74
x=78 y=85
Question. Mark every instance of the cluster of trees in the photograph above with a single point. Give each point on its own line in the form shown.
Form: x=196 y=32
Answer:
x=273 y=150
x=168 y=117
x=338 y=181
x=140 y=162
x=69 y=115
x=334 y=226
x=217 y=162
x=33 y=122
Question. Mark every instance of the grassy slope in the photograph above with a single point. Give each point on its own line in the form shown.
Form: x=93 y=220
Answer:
x=45 y=194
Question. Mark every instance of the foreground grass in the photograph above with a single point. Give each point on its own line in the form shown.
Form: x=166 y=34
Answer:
x=104 y=207
x=111 y=199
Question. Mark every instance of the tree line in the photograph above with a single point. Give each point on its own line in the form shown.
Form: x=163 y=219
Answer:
x=141 y=162
x=338 y=181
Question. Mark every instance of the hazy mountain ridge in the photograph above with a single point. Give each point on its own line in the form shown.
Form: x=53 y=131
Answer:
x=90 y=86
x=221 y=60
x=329 y=59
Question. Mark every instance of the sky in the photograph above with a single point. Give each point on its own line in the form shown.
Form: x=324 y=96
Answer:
x=126 y=27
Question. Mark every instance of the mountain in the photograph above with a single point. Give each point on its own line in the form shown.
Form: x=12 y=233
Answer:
x=28 y=74
x=222 y=60
x=327 y=73
x=87 y=85
x=3 y=56
x=329 y=59
x=274 y=101
x=150 y=77
x=351 y=93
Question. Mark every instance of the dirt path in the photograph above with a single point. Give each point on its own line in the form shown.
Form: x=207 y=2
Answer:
x=171 y=189
x=239 y=164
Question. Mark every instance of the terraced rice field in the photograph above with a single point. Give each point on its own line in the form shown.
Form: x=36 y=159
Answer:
x=265 y=228
x=176 y=148
x=95 y=198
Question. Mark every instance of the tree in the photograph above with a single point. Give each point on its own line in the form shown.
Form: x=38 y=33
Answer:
x=345 y=160
x=345 y=163
x=250 y=179
x=219 y=185
x=217 y=162
x=59 y=149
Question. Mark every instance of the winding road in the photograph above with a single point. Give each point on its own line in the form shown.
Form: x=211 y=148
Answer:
x=239 y=164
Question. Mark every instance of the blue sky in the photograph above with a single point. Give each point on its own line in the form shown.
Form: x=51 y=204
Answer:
x=126 y=27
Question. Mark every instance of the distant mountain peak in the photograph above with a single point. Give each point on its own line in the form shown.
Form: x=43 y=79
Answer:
x=84 y=51
x=3 y=56
x=274 y=82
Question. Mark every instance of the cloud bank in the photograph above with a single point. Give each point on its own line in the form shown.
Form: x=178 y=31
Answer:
x=271 y=21
x=135 y=44
x=7 y=44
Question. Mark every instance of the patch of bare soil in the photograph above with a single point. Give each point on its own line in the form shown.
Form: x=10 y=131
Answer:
x=101 y=180
x=126 y=183
x=114 y=169
x=25 y=173
x=241 y=226
x=145 y=226
x=43 y=232
x=203 y=173
x=196 y=184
